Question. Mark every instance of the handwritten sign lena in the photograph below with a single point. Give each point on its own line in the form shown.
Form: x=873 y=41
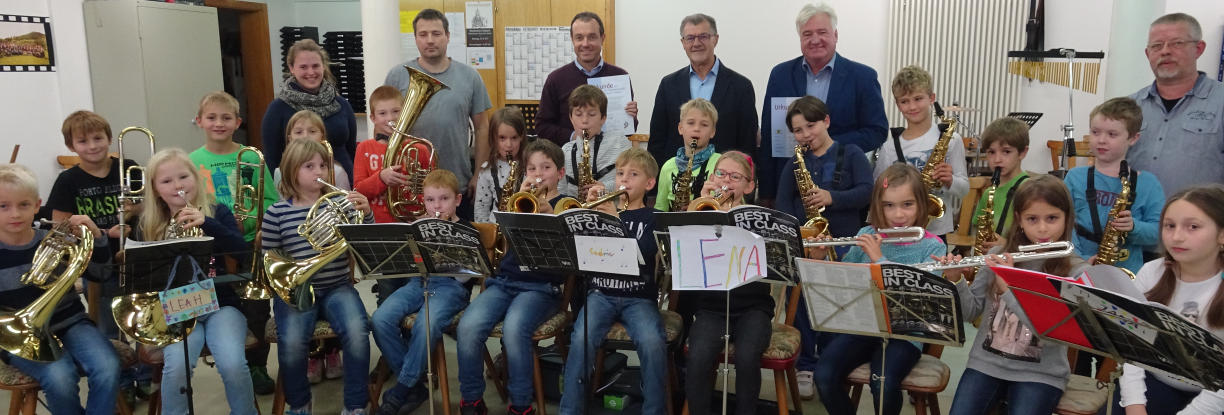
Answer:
x=189 y=301
x=714 y=257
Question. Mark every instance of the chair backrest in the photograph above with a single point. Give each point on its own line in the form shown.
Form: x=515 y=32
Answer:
x=68 y=161
x=639 y=140
x=964 y=235
x=1082 y=150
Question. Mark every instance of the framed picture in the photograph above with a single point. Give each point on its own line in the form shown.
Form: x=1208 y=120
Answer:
x=25 y=44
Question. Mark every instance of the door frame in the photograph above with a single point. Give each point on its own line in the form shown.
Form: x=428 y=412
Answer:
x=256 y=61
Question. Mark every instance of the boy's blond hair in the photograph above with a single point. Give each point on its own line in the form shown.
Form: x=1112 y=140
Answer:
x=221 y=98
x=297 y=153
x=1122 y=109
x=18 y=178
x=912 y=79
x=84 y=122
x=1007 y=131
x=441 y=178
x=385 y=93
x=307 y=115
x=588 y=96
x=639 y=158
x=700 y=104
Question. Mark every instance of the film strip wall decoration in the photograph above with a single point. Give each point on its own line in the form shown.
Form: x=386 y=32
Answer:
x=25 y=44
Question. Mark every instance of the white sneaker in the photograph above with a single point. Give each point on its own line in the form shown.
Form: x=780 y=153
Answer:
x=807 y=390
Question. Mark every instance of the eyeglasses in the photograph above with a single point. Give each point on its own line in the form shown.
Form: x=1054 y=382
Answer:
x=704 y=37
x=733 y=176
x=1176 y=44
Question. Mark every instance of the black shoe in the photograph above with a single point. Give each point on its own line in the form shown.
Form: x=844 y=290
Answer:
x=261 y=382
x=473 y=408
x=525 y=410
x=400 y=399
x=419 y=395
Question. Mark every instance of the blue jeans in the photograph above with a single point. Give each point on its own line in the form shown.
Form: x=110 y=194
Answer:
x=977 y=392
x=523 y=305
x=1162 y=399
x=225 y=333
x=341 y=306
x=83 y=345
x=645 y=327
x=845 y=352
x=448 y=298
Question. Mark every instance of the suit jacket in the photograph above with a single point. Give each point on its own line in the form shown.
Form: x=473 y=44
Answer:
x=854 y=103
x=737 y=117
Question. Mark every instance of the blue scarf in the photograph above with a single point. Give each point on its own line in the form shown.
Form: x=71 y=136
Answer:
x=699 y=159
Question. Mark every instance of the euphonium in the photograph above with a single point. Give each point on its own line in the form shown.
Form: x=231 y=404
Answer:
x=805 y=186
x=176 y=229
x=571 y=203
x=938 y=155
x=1110 y=250
x=586 y=170
x=289 y=278
x=1045 y=250
x=985 y=219
x=715 y=201
x=526 y=201
x=507 y=188
x=682 y=192
x=25 y=333
x=248 y=204
x=413 y=156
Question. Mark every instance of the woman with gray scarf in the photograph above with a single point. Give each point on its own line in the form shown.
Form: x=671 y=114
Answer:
x=311 y=87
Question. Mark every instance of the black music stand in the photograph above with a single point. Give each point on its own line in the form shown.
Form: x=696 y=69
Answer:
x=393 y=250
x=150 y=267
x=875 y=300
x=1120 y=325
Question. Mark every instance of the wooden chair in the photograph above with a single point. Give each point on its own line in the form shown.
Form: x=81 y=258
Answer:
x=1086 y=395
x=965 y=234
x=69 y=161
x=1082 y=151
x=781 y=355
x=23 y=389
x=924 y=383
x=639 y=140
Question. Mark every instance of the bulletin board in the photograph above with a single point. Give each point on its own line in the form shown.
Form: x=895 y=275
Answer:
x=525 y=18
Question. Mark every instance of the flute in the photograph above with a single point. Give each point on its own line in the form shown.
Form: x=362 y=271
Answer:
x=1045 y=250
x=913 y=234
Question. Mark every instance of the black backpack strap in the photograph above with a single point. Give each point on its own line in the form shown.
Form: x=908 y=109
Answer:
x=1090 y=194
x=837 y=167
x=896 y=135
x=1007 y=205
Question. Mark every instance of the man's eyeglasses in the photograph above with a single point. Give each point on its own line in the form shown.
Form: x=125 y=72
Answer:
x=733 y=176
x=1176 y=44
x=704 y=37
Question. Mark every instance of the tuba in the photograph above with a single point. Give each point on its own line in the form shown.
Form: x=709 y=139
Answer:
x=289 y=278
x=25 y=333
x=248 y=204
x=985 y=219
x=571 y=203
x=413 y=156
x=526 y=201
x=938 y=155
x=682 y=192
x=1110 y=250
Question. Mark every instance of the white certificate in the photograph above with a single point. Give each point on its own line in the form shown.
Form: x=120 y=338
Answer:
x=783 y=140
x=619 y=92
x=606 y=254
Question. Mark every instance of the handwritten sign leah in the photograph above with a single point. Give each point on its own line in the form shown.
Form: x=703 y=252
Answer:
x=713 y=257
x=189 y=301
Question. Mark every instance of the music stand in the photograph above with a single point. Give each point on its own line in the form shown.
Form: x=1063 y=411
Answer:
x=874 y=300
x=393 y=250
x=150 y=267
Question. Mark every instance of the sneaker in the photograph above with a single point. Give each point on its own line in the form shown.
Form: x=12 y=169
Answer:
x=333 y=366
x=403 y=399
x=314 y=370
x=473 y=408
x=262 y=383
x=358 y=411
x=304 y=410
x=807 y=390
x=522 y=410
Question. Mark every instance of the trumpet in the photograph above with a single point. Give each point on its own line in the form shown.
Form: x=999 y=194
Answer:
x=527 y=201
x=248 y=204
x=911 y=234
x=176 y=229
x=1045 y=250
x=571 y=203
x=715 y=201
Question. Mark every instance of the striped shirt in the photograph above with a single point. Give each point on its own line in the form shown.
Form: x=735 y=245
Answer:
x=280 y=224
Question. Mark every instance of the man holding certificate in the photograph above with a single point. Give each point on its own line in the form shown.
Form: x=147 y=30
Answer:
x=552 y=120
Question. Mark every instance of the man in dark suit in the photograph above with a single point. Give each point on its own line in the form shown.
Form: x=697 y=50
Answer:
x=849 y=88
x=705 y=77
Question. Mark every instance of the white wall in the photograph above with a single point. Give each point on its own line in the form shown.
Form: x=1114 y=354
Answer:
x=753 y=37
x=36 y=103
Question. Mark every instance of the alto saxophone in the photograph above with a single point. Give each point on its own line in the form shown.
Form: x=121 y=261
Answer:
x=682 y=192
x=985 y=219
x=938 y=155
x=586 y=170
x=509 y=187
x=1110 y=250
x=805 y=186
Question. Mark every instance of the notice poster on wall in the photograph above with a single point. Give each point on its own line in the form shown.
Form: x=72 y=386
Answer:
x=531 y=53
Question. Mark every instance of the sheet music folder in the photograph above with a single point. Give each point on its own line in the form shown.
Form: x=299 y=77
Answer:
x=881 y=300
x=148 y=266
x=549 y=243
x=446 y=249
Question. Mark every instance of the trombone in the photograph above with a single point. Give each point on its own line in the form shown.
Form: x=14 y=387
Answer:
x=248 y=204
x=911 y=234
x=127 y=193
